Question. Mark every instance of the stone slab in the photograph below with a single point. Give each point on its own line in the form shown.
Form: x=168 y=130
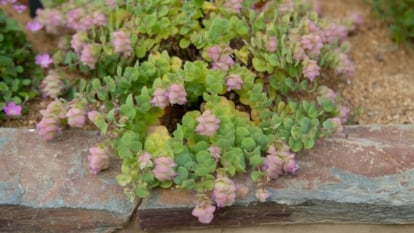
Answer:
x=47 y=186
x=365 y=175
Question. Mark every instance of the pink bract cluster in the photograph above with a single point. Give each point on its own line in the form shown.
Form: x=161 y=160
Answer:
x=233 y=5
x=76 y=115
x=98 y=159
x=207 y=124
x=164 y=168
x=220 y=57
x=175 y=94
x=121 y=42
x=51 y=124
x=224 y=193
x=279 y=161
x=204 y=211
x=234 y=82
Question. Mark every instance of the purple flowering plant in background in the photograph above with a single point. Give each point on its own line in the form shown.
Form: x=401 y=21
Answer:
x=19 y=74
x=196 y=93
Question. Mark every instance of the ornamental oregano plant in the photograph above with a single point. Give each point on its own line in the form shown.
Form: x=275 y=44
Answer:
x=19 y=74
x=191 y=93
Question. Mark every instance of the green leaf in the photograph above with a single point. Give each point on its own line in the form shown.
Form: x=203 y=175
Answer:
x=123 y=179
x=217 y=28
x=182 y=174
x=188 y=184
x=256 y=175
x=259 y=64
x=184 y=43
x=141 y=190
x=256 y=160
x=128 y=108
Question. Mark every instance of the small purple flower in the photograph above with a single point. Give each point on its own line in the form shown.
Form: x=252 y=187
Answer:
x=234 y=82
x=262 y=194
x=160 y=98
x=204 y=211
x=12 y=110
x=176 y=94
x=98 y=159
x=310 y=69
x=164 y=168
x=43 y=60
x=19 y=8
x=224 y=193
x=207 y=124
x=144 y=160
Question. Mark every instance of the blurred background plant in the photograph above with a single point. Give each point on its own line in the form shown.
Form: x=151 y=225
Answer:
x=19 y=75
x=399 y=15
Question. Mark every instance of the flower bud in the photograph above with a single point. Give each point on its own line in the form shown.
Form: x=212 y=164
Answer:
x=98 y=159
x=164 y=168
x=207 y=124
x=52 y=85
x=224 y=193
x=271 y=44
x=93 y=116
x=176 y=94
x=50 y=124
x=234 y=82
x=262 y=194
x=215 y=151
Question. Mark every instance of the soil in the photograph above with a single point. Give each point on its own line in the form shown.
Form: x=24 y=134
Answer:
x=381 y=91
